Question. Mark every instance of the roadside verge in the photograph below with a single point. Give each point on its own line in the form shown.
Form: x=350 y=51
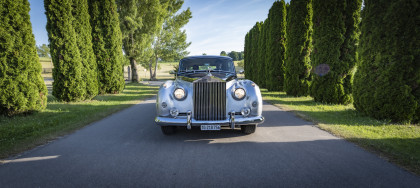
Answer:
x=398 y=143
x=21 y=133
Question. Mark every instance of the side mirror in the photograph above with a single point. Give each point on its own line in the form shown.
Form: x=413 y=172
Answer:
x=171 y=72
x=241 y=71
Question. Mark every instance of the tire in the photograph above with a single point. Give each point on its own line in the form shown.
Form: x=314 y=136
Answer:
x=248 y=129
x=168 y=130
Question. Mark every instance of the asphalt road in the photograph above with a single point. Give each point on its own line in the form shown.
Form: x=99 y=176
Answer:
x=128 y=150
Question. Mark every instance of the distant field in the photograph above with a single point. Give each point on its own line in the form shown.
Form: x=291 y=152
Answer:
x=162 y=72
x=46 y=63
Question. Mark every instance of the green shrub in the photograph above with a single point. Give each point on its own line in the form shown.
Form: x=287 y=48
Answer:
x=386 y=84
x=83 y=31
x=299 y=46
x=107 y=45
x=262 y=54
x=68 y=83
x=276 y=46
x=246 y=58
x=335 y=41
x=22 y=87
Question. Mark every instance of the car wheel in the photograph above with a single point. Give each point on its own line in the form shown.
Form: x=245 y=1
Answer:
x=168 y=130
x=248 y=129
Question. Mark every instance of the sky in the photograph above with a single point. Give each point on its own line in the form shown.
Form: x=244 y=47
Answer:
x=215 y=26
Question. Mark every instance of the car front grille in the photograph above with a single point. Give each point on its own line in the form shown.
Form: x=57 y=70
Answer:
x=209 y=100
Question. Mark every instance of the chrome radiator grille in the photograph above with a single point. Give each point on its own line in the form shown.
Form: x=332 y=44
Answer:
x=209 y=100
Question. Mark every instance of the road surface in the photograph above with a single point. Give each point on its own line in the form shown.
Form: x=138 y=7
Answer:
x=128 y=150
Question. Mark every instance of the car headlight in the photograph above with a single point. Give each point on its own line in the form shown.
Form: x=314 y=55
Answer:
x=239 y=93
x=179 y=94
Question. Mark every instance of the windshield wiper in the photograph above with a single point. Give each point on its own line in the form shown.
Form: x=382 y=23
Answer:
x=224 y=71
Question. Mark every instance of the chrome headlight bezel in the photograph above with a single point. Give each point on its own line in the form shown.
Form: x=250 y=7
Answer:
x=237 y=92
x=179 y=89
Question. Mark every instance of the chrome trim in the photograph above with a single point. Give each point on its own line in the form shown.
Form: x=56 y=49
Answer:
x=183 y=121
x=189 y=120
x=232 y=120
x=209 y=100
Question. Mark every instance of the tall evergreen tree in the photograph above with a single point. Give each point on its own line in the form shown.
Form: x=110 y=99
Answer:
x=299 y=45
x=333 y=58
x=386 y=84
x=249 y=56
x=246 y=60
x=262 y=54
x=254 y=51
x=68 y=83
x=276 y=46
x=81 y=24
x=107 y=45
x=22 y=87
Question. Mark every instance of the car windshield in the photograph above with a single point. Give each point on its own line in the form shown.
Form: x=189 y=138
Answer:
x=204 y=64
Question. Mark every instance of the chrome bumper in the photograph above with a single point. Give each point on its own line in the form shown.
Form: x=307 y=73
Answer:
x=231 y=121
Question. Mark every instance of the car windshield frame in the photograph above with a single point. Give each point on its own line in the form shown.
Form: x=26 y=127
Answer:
x=205 y=64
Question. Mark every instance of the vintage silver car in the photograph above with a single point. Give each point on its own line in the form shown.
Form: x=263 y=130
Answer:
x=206 y=93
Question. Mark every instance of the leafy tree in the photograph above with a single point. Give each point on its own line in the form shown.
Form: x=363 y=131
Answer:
x=299 y=45
x=43 y=50
x=204 y=54
x=83 y=31
x=234 y=55
x=140 y=21
x=68 y=83
x=276 y=46
x=107 y=45
x=334 y=39
x=241 y=55
x=170 y=41
x=22 y=87
x=386 y=84
x=223 y=53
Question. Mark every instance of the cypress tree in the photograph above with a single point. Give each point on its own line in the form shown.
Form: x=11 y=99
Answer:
x=68 y=84
x=276 y=46
x=22 y=87
x=107 y=45
x=267 y=53
x=299 y=45
x=386 y=84
x=83 y=30
x=248 y=56
x=254 y=45
x=246 y=60
x=262 y=54
x=335 y=38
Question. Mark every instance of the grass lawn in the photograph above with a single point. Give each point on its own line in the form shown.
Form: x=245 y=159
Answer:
x=23 y=132
x=396 y=142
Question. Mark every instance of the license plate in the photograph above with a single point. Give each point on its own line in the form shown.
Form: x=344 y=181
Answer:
x=210 y=127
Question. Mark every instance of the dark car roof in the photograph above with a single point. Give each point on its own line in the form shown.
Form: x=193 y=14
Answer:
x=207 y=57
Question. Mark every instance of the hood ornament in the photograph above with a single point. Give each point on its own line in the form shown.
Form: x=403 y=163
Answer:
x=209 y=71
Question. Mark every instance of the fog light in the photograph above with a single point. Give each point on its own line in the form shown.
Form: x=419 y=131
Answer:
x=164 y=105
x=245 y=112
x=174 y=112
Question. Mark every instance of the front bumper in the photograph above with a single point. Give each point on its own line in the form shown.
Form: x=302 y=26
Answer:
x=188 y=121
